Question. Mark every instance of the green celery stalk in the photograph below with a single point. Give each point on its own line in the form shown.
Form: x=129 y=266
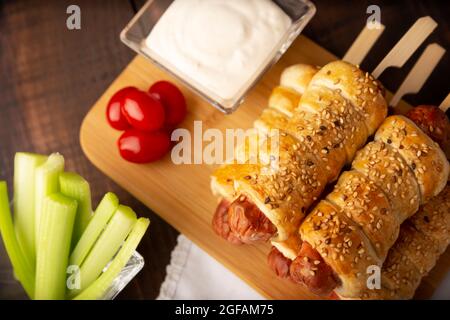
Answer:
x=102 y=215
x=57 y=221
x=76 y=187
x=99 y=287
x=25 y=165
x=106 y=246
x=46 y=183
x=21 y=265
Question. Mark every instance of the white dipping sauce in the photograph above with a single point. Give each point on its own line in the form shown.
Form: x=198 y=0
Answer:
x=220 y=44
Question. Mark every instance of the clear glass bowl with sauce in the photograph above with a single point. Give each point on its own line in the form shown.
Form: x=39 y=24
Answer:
x=138 y=29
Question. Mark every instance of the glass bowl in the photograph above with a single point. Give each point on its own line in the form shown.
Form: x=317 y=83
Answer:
x=137 y=30
x=131 y=269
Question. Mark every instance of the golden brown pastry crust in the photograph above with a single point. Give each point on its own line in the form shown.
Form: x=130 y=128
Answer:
x=384 y=166
x=293 y=83
x=284 y=100
x=317 y=139
x=368 y=197
x=433 y=219
x=420 y=249
x=424 y=156
x=222 y=181
x=423 y=238
x=399 y=279
x=297 y=77
x=342 y=245
x=270 y=119
x=285 y=194
x=331 y=106
x=321 y=137
x=358 y=87
x=368 y=206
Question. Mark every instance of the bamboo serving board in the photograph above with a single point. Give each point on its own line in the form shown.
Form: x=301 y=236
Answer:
x=180 y=194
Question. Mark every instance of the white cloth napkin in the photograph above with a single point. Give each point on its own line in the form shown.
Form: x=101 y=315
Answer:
x=193 y=274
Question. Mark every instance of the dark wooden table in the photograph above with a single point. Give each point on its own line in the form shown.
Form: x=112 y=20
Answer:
x=50 y=76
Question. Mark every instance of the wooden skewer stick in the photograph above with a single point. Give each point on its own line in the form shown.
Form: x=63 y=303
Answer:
x=420 y=72
x=407 y=45
x=445 y=105
x=363 y=43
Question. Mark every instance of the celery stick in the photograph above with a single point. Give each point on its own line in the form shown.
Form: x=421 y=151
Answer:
x=46 y=183
x=104 y=212
x=106 y=247
x=57 y=220
x=25 y=165
x=99 y=287
x=21 y=265
x=74 y=186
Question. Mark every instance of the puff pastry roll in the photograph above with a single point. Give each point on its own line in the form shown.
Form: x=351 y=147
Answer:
x=423 y=238
x=359 y=221
x=323 y=117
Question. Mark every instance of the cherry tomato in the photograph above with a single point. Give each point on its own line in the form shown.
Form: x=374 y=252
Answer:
x=143 y=147
x=172 y=99
x=116 y=118
x=143 y=111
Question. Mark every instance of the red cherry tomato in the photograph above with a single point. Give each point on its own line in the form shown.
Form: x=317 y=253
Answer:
x=116 y=118
x=143 y=147
x=143 y=111
x=172 y=99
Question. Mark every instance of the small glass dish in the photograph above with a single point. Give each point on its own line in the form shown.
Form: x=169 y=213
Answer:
x=131 y=269
x=137 y=30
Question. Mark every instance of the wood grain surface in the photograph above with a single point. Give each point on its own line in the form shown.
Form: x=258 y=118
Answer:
x=180 y=193
x=50 y=77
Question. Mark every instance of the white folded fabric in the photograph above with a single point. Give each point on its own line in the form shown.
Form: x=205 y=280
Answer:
x=193 y=274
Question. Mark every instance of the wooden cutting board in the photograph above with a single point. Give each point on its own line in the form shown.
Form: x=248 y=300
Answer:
x=180 y=194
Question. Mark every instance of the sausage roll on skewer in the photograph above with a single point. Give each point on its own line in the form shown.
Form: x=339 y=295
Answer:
x=359 y=221
x=423 y=238
x=337 y=111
